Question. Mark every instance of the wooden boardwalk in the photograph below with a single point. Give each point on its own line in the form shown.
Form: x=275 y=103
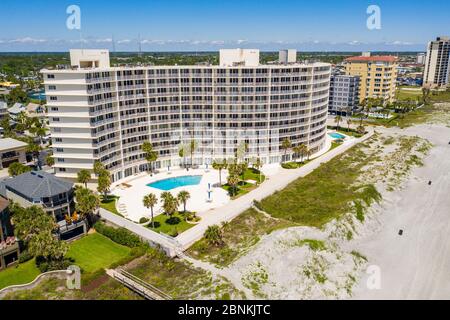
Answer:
x=138 y=285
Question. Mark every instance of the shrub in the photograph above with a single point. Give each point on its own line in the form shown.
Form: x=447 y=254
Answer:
x=119 y=235
x=289 y=165
x=173 y=220
x=45 y=265
x=25 y=256
x=143 y=220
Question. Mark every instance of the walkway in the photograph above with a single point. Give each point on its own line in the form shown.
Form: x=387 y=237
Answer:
x=137 y=285
x=277 y=182
x=167 y=243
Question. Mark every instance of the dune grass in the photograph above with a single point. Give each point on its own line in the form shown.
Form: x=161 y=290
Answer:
x=323 y=195
x=239 y=235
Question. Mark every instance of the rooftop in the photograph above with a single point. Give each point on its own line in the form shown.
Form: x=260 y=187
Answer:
x=9 y=143
x=38 y=184
x=372 y=59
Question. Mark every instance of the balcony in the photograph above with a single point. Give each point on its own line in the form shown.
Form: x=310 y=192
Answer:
x=8 y=246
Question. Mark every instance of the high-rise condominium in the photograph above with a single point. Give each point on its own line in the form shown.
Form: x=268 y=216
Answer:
x=437 y=63
x=104 y=113
x=378 y=75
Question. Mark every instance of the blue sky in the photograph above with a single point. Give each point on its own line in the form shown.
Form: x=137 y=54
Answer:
x=40 y=25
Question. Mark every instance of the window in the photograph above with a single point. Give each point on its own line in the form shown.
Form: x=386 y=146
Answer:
x=50 y=76
x=53 y=98
x=51 y=87
x=54 y=109
x=62 y=169
x=55 y=119
x=58 y=139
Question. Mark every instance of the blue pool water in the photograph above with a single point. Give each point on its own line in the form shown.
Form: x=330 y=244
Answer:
x=172 y=183
x=37 y=95
x=336 y=135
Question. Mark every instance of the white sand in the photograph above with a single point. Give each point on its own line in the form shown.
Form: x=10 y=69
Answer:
x=414 y=265
x=417 y=264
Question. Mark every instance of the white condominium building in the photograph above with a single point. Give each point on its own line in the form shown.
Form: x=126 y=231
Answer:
x=437 y=63
x=98 y=112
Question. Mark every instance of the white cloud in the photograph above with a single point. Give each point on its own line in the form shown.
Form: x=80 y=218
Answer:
x=27 y=40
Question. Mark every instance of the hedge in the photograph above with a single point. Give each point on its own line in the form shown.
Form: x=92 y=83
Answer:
x=119 y=235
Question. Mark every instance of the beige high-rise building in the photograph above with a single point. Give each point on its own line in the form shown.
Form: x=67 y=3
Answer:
x=378 y=75
x=437 y=63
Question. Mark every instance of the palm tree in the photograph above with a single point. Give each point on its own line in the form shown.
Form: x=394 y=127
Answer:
x=182 y=155
x=49 y=160
x=98 y=167
x=233 y=181
x=150 y=201
x=286 y=145
x=83 y=176
x=170 y=203
x=86 y=202
x=150 y=155
x=214 y=235
x=257 y=165
x=219 y=165
x=192 y=148
x=308 y=152
x=183 y=197
x=337 y=120
x=349 y=122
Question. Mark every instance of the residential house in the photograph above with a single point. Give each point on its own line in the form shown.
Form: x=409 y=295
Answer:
x=54 y=195
x=3 y=110
x=12 y=150
x=15 y=110
x=9 y=246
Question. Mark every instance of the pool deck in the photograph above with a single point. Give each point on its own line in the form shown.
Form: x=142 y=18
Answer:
x=130 y=202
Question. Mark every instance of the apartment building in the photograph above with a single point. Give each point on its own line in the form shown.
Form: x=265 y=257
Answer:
x=378 y=75
x=437 y=63
x=98 y=112
x=344 y=94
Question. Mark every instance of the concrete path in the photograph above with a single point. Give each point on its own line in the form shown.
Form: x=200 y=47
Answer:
x=272 y=184
x=168 y=244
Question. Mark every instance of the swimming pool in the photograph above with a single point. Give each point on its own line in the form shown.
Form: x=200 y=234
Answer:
x=176 y=182
x=40 y=95
x=336 y=135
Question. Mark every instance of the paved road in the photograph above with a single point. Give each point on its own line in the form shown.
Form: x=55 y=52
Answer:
x=277 y=182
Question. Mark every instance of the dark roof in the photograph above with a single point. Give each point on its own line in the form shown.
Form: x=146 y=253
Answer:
x=38 y=184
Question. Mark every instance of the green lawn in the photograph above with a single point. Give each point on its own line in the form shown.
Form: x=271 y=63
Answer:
x=110 y=204
x=19 y=274
x=245 y=187
x=171 y=226
x=253 y=174
x=95 y=251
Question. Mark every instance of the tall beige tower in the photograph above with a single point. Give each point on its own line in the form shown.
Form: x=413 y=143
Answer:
x=437 y=63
